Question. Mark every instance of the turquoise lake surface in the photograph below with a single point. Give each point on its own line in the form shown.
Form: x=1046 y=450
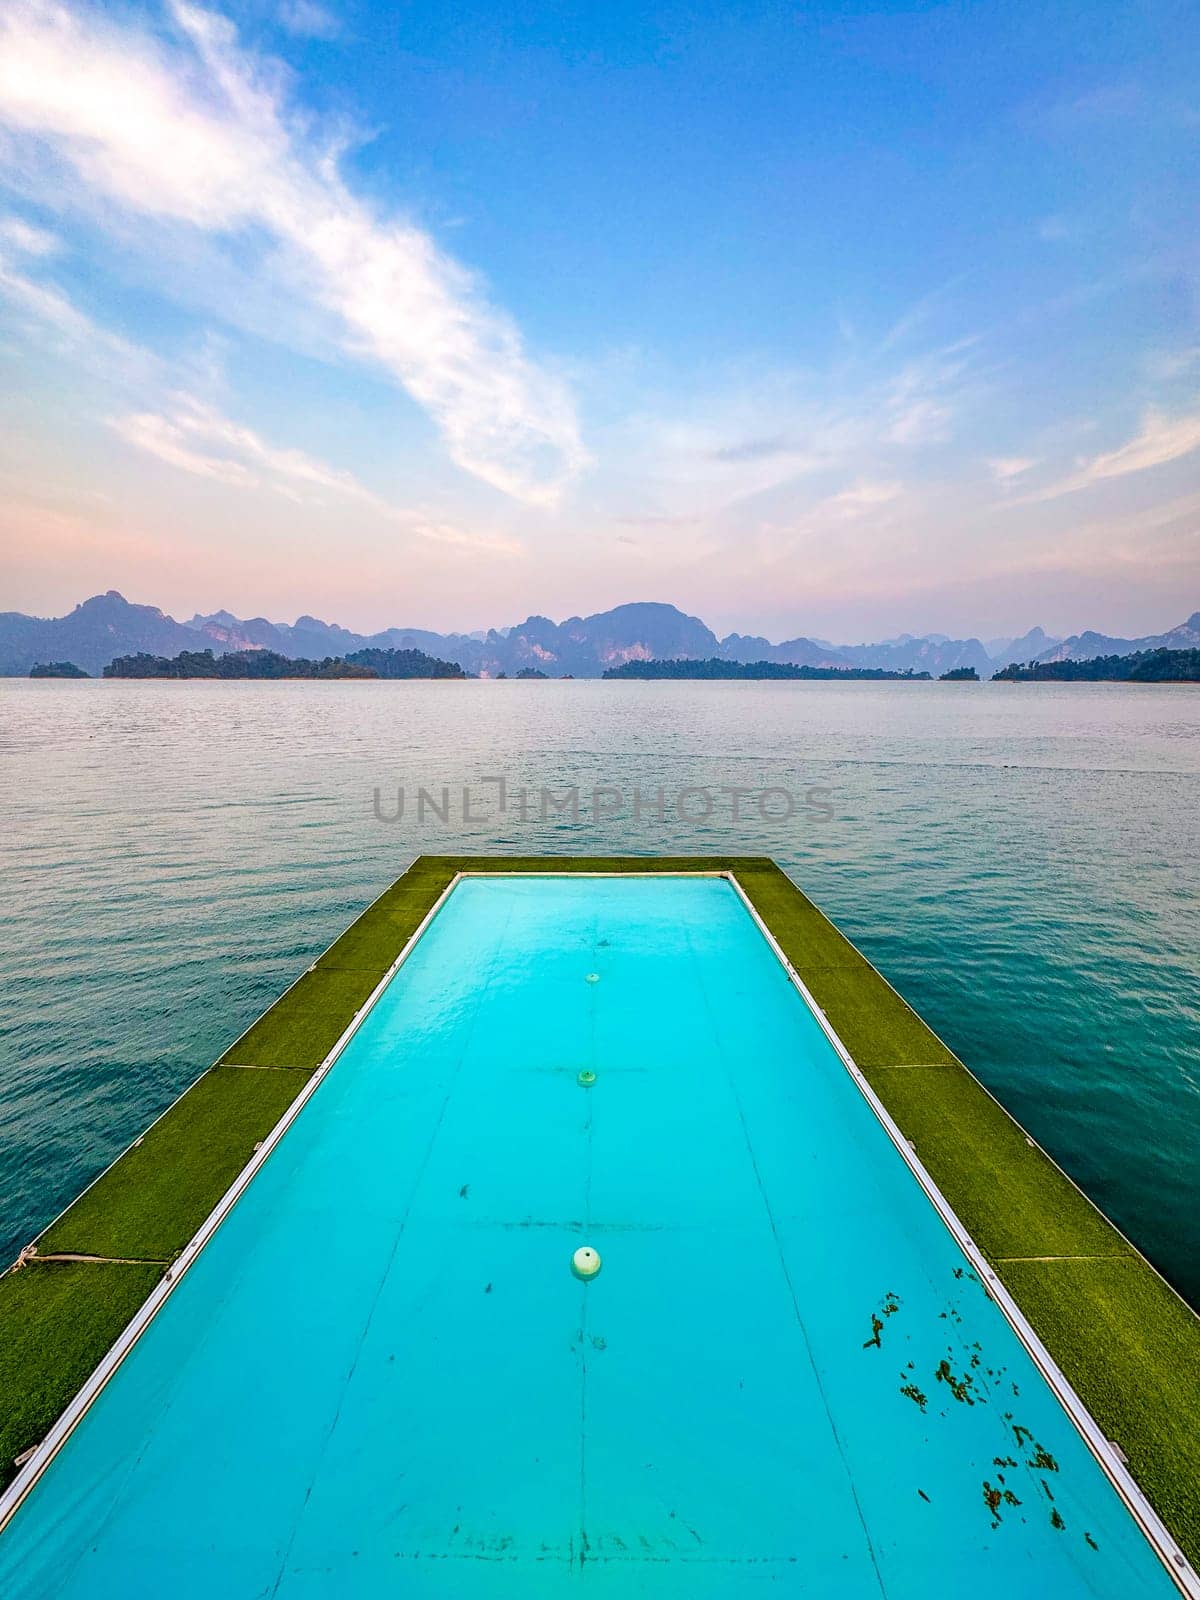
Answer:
x=1020 y=860
x=381 y=1375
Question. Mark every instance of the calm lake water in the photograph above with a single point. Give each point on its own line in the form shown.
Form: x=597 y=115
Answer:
x=1020 y=860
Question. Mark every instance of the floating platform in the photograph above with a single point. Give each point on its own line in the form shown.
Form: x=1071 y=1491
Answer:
x=601 y=1223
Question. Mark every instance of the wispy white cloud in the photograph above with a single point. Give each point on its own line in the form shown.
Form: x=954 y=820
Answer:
x=45 y=304
x=1160 y=440
x=922 y=399
x=200 y=136
x=860 y=526
x=48 y=308
x=195 y=437
x=1103 y=103
x=307 y=20
x=1005 y=468
x=1054 y=230
x=1072 y=115
x=860 y=499
x=920 y=420
x=26 y=239
x=164 y=438
x=785 y=435
x=917 y=316
x=1164 y=366
x=281 y=467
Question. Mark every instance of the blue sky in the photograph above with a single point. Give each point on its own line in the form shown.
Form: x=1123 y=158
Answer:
x=811 y=319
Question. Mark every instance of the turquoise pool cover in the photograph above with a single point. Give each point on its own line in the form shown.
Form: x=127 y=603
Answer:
x=381 y=1377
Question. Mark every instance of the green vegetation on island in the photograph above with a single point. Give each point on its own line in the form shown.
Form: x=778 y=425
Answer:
x=714 y=667
x=1143 y=666
x=959 y=675
x=404 y=664
x=57 y=669
x=369 y=663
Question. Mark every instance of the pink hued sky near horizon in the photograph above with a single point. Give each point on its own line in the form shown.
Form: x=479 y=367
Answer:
x=807 y=324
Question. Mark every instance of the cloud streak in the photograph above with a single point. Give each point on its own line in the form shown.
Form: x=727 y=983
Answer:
x=45 y=305
x=746 y=447
x=193 y=436
x=307 y=20
x=1005 y=468
x=25 y=239
x=1161 y=440
x=196 y=438
x=199 y=136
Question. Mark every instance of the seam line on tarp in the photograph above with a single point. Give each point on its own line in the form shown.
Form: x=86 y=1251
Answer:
x=104 y=1261
x=1003 y=1261
x=260 y=1066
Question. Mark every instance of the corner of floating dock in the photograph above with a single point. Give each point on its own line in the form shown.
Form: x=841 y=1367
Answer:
x=1125 y=1342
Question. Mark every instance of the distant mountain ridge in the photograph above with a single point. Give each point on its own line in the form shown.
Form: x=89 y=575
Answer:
x=1027 y=648
x=107 y=626
x=1087 y=646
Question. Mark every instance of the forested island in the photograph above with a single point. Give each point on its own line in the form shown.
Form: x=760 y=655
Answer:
x=714 y=667
x=1144 y=666
x=370 y=663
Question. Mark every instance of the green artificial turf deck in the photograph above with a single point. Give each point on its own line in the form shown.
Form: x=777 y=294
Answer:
x=1125 y=1341
x=149 y=1203
x=1131 y=1350
x=1013 y=1201
x=303 y=1026
x=57 y=1319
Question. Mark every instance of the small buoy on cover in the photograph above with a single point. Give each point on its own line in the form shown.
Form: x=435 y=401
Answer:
x=585 y=1263
x=593 y=977
x=586 y=1078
